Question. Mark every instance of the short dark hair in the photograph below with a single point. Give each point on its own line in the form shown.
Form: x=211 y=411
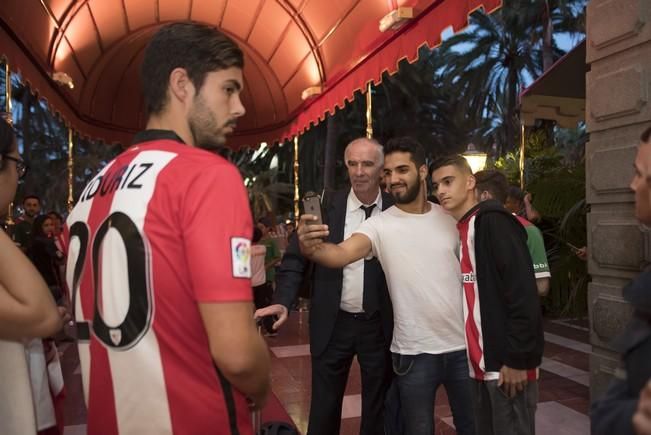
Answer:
x=257 y=235
x=646 y=136
x=7 y=137
x=37 y=225
x=55 y=214
x=516 y=193
x=266 y=221
x=456 y=160
x=198 y=48
x=494 y=182
x=25 y=198
x=409 y=145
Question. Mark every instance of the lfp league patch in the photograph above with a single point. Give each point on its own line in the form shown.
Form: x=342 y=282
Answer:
x=241 y=257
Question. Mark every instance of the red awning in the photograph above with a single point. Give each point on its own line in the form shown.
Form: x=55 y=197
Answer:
x=289 y=45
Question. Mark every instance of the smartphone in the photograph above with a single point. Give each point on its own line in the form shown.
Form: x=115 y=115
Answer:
x=312 y=205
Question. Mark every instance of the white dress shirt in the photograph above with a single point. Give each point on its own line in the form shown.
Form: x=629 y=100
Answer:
x=352 y=291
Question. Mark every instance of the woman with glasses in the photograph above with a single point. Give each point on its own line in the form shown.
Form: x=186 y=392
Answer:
x=26 y=305
x=21 y=167
x=27 y=308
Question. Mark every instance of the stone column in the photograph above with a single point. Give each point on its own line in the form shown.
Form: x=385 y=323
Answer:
x=617 y=111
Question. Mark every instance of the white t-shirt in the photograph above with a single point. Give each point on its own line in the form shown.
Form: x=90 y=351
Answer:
x=418 y=253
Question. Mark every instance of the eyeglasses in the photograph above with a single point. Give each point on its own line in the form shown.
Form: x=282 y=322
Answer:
x=21 y=166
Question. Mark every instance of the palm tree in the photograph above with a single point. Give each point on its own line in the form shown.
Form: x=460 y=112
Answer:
x=489 y=64
x=563 y=16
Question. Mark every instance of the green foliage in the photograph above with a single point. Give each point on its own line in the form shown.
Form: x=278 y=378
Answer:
x=510 y=165
x=569 y=284
x=268 y=176
x=555 y=177
x=557 y=191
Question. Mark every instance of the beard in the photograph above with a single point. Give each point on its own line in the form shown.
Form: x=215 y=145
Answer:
x=409 y=195
x=204 y=128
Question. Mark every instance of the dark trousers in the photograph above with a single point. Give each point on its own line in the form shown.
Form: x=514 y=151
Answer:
x=352 y=335
x=498 y=414
x=262 y=295
x=419 y=376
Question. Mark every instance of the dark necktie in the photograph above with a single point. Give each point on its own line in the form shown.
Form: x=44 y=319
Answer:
x=369 y=298
x=368 y=210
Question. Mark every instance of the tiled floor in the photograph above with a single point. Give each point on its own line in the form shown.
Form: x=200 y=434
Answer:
x=564 y=381
x=563 y=403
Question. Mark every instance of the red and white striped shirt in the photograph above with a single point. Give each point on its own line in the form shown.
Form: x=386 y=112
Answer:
x=475 y=340
x=160 y=229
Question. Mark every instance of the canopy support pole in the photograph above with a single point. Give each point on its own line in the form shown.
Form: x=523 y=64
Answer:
x=71 y=168
x=369 y=112
x=10 y=211
x=296 y=193
x=521 y=164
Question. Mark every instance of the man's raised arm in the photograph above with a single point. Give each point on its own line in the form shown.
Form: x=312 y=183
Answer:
x=311 y=236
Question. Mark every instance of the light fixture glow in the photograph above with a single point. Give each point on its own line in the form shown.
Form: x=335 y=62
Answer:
x=396 y=18
x=476 y=159
x=63 y=79
x=310 y=92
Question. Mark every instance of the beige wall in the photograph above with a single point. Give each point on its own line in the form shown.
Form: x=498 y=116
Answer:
x=617 y=111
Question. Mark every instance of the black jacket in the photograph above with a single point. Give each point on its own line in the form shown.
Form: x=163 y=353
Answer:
x=42 y=251
x=510 y=310
x=613 y=413
x=327 y=283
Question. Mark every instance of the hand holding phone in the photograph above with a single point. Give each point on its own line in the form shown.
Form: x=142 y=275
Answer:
x=311 y=231
x=312 y=205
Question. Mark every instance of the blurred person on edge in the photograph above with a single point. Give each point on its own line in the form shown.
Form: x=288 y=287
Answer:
x=626 y=407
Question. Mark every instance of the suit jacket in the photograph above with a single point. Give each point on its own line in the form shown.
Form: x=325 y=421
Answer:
x=327 y=283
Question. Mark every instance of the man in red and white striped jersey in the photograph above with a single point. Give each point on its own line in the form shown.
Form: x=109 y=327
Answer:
x=159 y=257
x=501 y=310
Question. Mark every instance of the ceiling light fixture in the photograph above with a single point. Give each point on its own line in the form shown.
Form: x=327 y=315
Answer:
x=310 y=92
x=63 y=79
x=396 y=18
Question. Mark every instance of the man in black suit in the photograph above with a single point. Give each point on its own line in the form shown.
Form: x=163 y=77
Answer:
x=351 y=313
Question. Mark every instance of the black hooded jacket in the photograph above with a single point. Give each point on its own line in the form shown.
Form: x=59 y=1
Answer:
x=510 y=310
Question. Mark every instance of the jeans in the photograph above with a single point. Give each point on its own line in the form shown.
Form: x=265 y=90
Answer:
x=418 y=378
x=497 y=414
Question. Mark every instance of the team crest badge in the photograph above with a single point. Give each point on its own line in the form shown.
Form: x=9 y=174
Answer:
x=116 y=336
x=241 y=257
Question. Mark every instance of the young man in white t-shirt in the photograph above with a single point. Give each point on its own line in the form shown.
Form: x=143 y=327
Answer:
x=417 y=244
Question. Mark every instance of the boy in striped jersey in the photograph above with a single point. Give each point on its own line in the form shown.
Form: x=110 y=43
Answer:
x=501 y=311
